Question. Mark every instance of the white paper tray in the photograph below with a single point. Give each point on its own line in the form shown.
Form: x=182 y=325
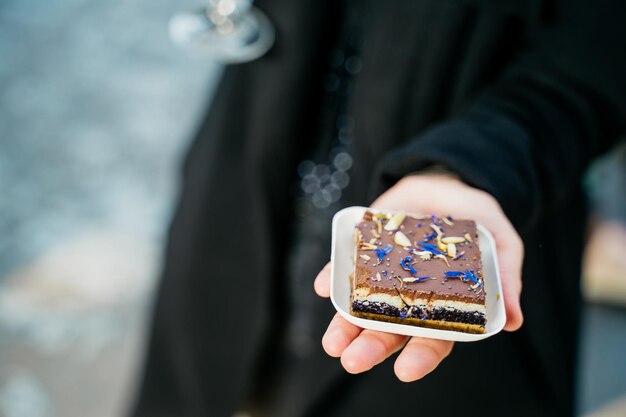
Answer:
x=342 y=257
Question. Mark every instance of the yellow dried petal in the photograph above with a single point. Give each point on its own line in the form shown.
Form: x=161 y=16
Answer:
x=437 y=229
x=440 y=245
x=368 y=246
x=451 y=250
x=468 y=237
x=453 y=239
x=401 y=239
x=395 y=221
x=444 y=259
x=447 y=221
x=366 y=257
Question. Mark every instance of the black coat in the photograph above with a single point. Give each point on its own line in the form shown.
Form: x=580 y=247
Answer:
x=517 y=97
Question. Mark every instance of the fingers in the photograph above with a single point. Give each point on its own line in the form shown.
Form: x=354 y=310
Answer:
x=322 y=282
x=420 y=357
x=360 y=350
x=369 y=349
x=339 y=335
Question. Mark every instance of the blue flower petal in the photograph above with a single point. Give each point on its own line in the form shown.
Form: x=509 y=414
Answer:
x=405 y=263
x=382 y=252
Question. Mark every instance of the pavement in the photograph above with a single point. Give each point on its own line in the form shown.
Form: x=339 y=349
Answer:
x=97 y=107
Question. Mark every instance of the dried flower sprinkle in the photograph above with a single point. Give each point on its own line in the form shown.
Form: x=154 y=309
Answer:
x=424 y=255
x=405 y=263
x=395 y=221
x=453 y=239
x=437 y=229
x=468 y=275
x=401 y=239
x=428 y=247
x=451 y=250
x=382 y=252
x=444 y=259
x=413 y=280
x=458 y=256
x=401 y=282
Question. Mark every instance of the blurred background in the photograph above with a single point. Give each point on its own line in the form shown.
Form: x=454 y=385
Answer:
x=96 y=110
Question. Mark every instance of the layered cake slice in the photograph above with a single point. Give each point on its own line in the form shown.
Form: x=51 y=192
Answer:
x=419 y=271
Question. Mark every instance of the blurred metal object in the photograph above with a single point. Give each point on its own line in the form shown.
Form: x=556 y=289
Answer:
x=226 y=31
x=604 y=264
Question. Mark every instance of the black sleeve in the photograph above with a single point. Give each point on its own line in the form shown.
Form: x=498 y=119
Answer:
x=529 y=137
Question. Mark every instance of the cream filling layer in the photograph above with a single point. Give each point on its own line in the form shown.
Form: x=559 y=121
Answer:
x=363 y=295
x=460 y=305
x=393 y=300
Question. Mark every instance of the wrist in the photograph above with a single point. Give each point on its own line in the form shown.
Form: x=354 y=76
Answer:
x=436 y=170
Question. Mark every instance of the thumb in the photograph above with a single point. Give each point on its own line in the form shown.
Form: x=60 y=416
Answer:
x=511 y=254
x=322 y=282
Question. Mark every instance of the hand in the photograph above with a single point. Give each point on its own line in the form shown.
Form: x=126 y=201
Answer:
x=360 y=350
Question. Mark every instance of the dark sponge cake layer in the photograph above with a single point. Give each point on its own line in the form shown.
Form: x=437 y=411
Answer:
x=433 y=324
x=385 y=309
x=458 y=316
x=438 y=314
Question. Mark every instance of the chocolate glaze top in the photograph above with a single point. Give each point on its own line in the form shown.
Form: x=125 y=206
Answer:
x=385 y=275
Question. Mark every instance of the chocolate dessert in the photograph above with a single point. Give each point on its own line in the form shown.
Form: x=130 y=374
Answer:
x=419 y=271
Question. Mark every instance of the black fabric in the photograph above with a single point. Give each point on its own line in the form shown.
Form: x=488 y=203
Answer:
x=515 y=96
